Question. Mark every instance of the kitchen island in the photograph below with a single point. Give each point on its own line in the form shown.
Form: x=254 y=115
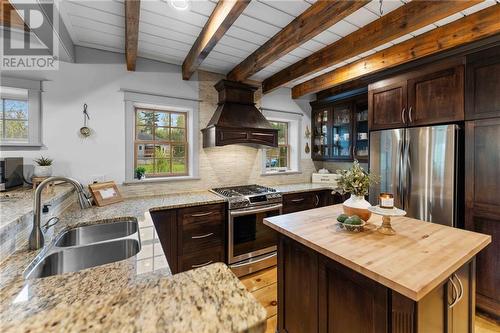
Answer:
x=329 y=280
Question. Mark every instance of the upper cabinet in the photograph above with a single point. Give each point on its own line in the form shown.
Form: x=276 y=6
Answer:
x=387 y=105
x=432 y=95
x=340 y=130
x=483 y=84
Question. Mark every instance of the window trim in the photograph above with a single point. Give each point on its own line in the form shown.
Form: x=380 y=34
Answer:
x=295 y=134
x=34 y=88
x=155 y=142
x=189 y=106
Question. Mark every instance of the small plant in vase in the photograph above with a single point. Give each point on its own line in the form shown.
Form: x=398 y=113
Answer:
x=43 y=167
x=140 y=173
x=356 y=182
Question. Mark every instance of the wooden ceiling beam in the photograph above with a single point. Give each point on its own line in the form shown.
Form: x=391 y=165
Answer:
x=399 y=22
x=317 y=18
x=9 y=17
x=466 y=30
x=221 y=19
x=132 y=12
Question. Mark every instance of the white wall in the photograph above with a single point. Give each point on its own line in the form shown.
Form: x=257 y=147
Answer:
x=280 y=100
x=96 y=79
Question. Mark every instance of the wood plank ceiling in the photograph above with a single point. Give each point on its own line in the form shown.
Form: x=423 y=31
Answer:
x=167 y=34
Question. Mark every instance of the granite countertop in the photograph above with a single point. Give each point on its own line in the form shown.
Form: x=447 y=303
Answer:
x=17 y=203
x=136 y=294
x=413 y=262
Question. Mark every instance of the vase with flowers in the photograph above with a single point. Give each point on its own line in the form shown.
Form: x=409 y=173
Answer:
x=356 y=182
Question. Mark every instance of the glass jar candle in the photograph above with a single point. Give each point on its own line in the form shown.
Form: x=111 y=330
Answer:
x=386 y=200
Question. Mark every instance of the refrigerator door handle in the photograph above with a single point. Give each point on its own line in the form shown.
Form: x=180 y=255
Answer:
x=400 y=172
x=408 y=176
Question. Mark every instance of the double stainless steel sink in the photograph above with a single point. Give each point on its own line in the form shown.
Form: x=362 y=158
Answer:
x=87 y=246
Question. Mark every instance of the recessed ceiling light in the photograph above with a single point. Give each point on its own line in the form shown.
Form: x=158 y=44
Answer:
x=179 y=4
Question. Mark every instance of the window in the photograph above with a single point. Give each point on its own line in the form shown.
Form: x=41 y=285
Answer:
x=278 y=158
x=161 y=142
x=20 y=113
x=14 y=119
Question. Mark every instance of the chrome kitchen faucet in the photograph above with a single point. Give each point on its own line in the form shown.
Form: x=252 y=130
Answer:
x=36 y=239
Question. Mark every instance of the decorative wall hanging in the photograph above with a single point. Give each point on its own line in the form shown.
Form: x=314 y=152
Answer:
x=85 y=131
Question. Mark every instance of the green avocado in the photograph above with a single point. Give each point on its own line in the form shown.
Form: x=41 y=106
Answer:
x=353 y=220
x=342 y=217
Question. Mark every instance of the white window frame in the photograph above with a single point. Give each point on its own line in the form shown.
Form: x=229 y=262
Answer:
x=294 y=121
x=135 y=100
x=34 y=113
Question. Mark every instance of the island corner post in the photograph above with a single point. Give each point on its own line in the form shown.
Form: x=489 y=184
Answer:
x=323 y=289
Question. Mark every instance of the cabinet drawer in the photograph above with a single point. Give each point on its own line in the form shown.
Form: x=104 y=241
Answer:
x=200 y=259
x=297 y=202
x=201 y=214
x=199 y=236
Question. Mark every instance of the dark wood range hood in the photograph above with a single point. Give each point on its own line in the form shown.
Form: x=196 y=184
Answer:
x=237 y=120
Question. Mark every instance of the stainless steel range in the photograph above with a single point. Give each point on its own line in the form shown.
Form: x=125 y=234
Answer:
x=251 y=244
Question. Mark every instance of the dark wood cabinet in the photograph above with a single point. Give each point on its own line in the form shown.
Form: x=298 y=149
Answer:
x=319 y=295
x=297 y=270
x=340 y=130
x=387 y=105
x=482 y=186
x=350 y=302
x=436 y=97
x=191 y=237
x=296 y=202
x=483 y=84
x=431 y=95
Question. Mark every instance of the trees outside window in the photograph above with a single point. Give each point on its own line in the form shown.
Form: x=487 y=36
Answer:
x=161 y=142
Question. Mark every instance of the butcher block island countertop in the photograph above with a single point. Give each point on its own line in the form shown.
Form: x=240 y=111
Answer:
x=413 y=262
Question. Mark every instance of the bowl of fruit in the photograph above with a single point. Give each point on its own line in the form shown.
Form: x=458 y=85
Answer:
x=351 y=223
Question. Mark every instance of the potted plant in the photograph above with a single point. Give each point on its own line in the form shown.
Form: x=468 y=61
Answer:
x=140 y=173
x=43 y=167
x=356 y=182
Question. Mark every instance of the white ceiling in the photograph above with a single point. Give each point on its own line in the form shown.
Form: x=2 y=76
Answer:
x=167 y=34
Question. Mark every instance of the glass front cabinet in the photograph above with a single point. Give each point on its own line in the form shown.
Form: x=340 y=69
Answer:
x=340 y=130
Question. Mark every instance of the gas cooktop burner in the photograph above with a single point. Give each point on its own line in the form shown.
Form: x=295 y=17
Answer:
x=248 y=195
x=244 y=190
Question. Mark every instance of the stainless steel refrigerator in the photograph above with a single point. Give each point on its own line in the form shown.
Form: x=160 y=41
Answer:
x=420 y=166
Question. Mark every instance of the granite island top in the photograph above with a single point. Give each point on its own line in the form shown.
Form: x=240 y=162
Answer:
x=413 y=262
x=136 y=294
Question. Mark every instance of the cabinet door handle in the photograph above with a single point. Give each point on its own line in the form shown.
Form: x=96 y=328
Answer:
x=201 y=265
x=409 y=115
x=403 y=115
x=455 y=293
x=297 y=200
x=202 y=214
x=202 y=236
x=317 y=201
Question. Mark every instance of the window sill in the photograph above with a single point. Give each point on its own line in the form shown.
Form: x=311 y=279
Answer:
x=159 y=180
x=20 y=146
x=277 y=173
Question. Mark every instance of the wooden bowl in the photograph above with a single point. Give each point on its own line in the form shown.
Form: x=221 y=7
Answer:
x=363 y=214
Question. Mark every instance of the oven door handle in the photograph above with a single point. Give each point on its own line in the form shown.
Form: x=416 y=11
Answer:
x=257 y=210
x=253 y=262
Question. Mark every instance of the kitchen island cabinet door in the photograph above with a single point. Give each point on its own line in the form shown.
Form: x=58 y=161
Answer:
x=297 y=288
x=350 y=302
x=482 y=186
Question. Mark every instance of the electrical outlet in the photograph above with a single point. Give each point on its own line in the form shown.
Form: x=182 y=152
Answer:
x=98 y=178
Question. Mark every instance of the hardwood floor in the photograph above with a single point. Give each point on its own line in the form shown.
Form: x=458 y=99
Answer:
x=263 y=285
